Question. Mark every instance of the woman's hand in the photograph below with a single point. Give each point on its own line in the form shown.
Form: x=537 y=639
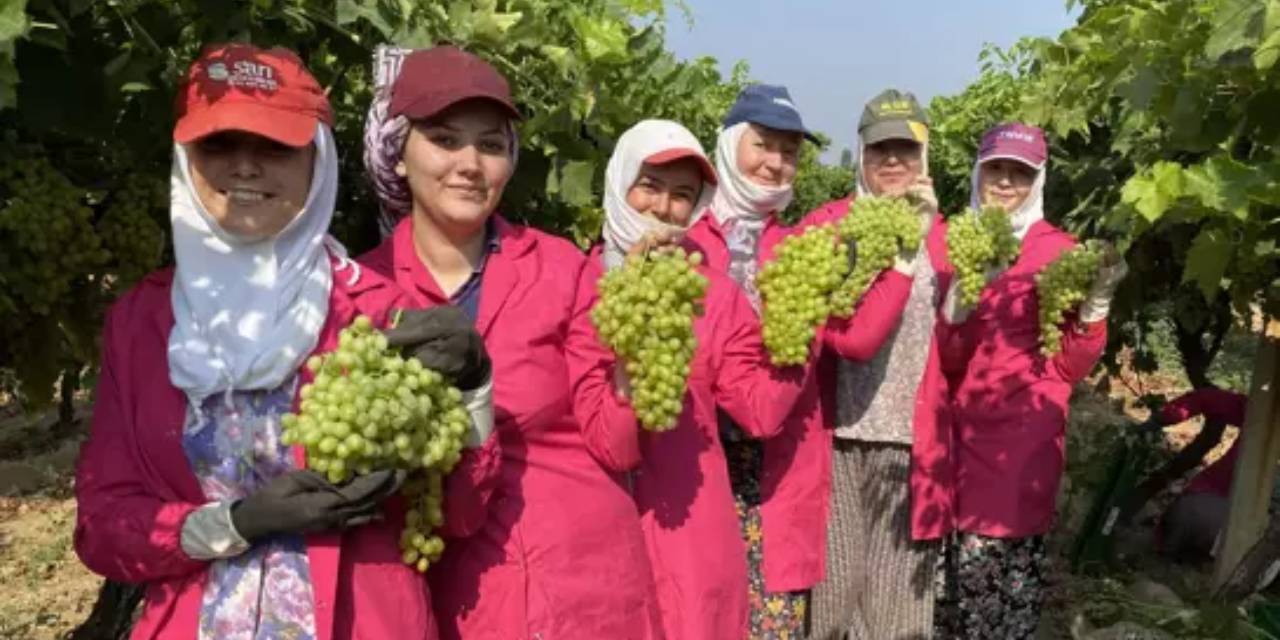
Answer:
x=304 y=502
x=445 y=340
x=656 y=241
x=1112 y=270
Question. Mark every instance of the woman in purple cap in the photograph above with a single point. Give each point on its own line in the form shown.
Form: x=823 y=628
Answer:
x=781 y=484
x=551 y=546
x=1009 y=403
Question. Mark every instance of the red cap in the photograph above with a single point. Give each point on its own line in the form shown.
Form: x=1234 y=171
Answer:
x=243 y=88
x=671 y=155
x=433 y=79
x=1014 y=141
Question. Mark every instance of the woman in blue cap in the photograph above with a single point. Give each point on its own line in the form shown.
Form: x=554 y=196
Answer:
x=780 y=485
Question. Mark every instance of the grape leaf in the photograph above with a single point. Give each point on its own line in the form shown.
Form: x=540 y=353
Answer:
x=1152 y=193
x=576 y=179
x=1207 y=261
x=13 y=20
x=1236 y=24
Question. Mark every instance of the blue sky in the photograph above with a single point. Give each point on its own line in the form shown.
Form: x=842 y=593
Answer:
x=834 y=55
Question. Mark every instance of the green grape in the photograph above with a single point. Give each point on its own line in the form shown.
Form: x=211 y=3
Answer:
x=1060 y=287
x=130 y=230
x=976 y=242
x=47 y=240
x=369 y=408
x=645 y=315
x=796 y=291
x=880 y=228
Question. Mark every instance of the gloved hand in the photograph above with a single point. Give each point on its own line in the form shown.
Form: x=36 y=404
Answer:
x=444 y=339
x=1152 y=424
x=304 y=502
x=922 y=195
x=954 y=311
x=1111 y=271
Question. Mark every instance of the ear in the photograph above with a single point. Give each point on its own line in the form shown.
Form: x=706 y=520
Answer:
x=401 y=170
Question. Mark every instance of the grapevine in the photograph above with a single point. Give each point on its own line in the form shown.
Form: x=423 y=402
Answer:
x=129 y=230
x=880 y=228
x=796 y=290
x=978 y=241
x=368 y=408
x=1060 y=287
x=645 y=315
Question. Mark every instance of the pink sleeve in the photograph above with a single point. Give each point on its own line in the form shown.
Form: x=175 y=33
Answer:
x=758 y=396
x=609 y=426
x=1082 y=346
x=123 y=530
x=861 y=335
x=469 y=486
x=1214 y=404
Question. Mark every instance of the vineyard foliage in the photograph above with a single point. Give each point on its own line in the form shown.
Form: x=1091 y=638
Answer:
x=86 y=92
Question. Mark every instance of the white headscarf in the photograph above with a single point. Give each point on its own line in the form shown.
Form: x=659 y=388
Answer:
x=1030 y=211
x=623 y=225
x=738 y=196
x=247 y=314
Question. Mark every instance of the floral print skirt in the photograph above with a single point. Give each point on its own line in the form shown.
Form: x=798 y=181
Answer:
x=773 y=615
x=990 y=587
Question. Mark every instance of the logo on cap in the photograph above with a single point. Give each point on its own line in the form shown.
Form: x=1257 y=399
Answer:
x=244 y=74
x=895 y=107
x=1017 y=135
x=786 y=103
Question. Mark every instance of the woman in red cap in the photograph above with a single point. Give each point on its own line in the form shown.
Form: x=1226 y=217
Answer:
x=183 y=483
x=1009 y=403
x=556 y=551
x=658 y=181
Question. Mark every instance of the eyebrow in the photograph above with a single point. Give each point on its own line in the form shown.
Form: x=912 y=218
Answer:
x=446 y=125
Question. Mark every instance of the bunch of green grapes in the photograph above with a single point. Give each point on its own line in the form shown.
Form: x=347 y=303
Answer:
x=796 y=291
x=880 y=228
x=47 y=240
x=129 y=227
x=1061 y=286
x=645 y=315
x=368 y=408
x=977 y=241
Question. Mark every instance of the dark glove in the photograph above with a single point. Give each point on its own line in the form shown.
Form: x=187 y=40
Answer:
x=1152 y=425
x=443 y=339
x=304 y=502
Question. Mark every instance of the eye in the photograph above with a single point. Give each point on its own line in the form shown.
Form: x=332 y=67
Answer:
x=214 y=144
x=495 y=146
x=275 y=149
x=444 y=139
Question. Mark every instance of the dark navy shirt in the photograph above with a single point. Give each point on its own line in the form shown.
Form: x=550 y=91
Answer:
x=467 y=297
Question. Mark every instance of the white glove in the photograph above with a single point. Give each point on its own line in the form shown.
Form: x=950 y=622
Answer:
x=905 y=262
x=479 y=403
x=1097 y=303
x=954 y=311
x=207 y=533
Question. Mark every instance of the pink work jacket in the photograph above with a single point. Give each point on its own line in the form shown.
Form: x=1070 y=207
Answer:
x=558 y=550
x=1009 y=402
x=1214 y=404
x=134 y=486
x=796 y=486
x=680 y=478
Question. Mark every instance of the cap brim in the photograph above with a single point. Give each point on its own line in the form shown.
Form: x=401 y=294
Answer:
x=891 y=130
x=784 y=126
x=671 y=155
x=286 y=127
x=428 y=106
x=1009 y=156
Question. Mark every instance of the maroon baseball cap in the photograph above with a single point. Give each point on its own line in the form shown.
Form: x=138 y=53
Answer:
x=1014 y=141
x=431 y=80
x=243 y=88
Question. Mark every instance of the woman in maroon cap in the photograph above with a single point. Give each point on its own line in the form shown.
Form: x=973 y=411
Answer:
x=556 y=550
x=1009 y=403
x=183 y=484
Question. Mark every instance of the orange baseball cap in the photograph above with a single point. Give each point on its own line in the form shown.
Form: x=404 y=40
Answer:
x=240 y=87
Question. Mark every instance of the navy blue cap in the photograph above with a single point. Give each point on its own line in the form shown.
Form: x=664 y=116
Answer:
x=768 y=105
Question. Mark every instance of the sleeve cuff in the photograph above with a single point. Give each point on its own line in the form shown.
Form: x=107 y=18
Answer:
x=208 y=533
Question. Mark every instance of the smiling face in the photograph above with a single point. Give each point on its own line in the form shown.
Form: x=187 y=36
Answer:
x=891 y=166
x=458 y=163
x=1005 y=183
x=667 y=192
x=768 y=157
x=252 y=186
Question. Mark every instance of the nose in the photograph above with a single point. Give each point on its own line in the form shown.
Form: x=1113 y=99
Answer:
x=468 y=160
x=773 y=162
x=245 y=162
x=660 y=207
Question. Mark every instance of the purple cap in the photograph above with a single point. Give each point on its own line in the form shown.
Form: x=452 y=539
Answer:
x=1014 y=141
